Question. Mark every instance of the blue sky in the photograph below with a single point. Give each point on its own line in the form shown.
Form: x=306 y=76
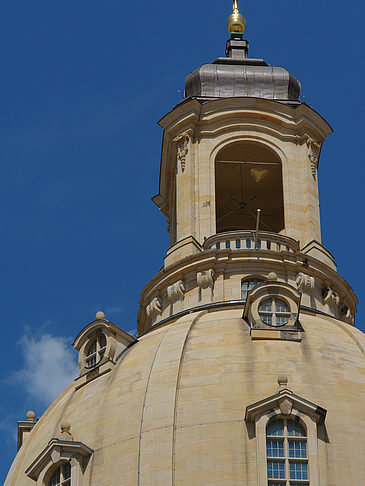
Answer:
x=83 y=84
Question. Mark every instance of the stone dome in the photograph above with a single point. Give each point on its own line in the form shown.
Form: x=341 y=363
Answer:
x=172 y=410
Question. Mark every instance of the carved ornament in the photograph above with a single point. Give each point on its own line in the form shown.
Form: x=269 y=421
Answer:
x=330 y=296
x=304 y=282
x=347 y=315
x=183 y=142
x=286 y=406
x=314 y=149
x=176 y=291
x=154 y=308
x=206 y=279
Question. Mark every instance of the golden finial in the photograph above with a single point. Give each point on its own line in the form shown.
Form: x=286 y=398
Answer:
x=236 y=22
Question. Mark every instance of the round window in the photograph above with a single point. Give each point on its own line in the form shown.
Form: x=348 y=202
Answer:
x=274 y=312
x=96 y=350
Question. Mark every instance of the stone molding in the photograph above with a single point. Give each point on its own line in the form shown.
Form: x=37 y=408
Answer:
x=280 y=402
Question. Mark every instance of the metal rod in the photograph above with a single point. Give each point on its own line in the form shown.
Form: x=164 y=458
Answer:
x=245 y=162
x=257 y=226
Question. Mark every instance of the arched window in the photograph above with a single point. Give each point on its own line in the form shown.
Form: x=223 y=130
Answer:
x=248 y=177
x=96 y=350
x=248 y=285
x=61 y=476
x=286 y=453
x=274 y=312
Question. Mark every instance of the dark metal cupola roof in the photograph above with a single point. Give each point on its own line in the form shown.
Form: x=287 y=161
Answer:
x=236 y=75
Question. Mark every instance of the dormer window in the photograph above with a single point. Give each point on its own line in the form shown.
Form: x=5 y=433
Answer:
x=272 y=311
x=285 y=427
x=99 y=344
x=62 y=462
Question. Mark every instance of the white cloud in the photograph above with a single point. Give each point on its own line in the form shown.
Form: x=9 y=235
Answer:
x=49 y=366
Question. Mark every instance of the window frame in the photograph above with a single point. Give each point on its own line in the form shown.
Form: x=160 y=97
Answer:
x=96 y=356
x=286 y=438
x=274 y=313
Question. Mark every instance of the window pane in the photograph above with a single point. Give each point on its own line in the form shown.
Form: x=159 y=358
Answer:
x=267 y=318
x=281 y=306
x=266 y=306
x=91 y=361
x=272 y=483
x=55 y=478
x=298 y=470
x=297 y=448
x=67 y=471
x=280 y=319
x=248 y=285
x=275 y=428
x=102 y=340
x=276 y=470
x=275 y=448
x=92 y=348
x=295 y=429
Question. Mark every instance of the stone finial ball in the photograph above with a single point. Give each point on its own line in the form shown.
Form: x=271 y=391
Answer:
x=65 y=427
x=283 y=380
x=30 y=416
x=100 y=315
x=272 y=276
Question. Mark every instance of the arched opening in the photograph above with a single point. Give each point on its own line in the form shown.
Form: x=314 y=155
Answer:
x=248 y=177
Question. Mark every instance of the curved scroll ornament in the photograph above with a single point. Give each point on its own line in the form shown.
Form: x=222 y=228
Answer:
x=330 y=296
x=206 y=279
x=304 y=282
x=314 y=149
x=176 y=291
x=347 y=315
x=154 y=308
x=183 y=142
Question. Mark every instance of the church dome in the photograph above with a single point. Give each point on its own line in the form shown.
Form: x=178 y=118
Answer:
x=172 y=411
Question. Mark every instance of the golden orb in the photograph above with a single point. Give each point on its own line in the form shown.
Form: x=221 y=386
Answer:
x=236 y=22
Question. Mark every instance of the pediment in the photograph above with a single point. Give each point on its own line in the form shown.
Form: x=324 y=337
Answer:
x=54 y=451
x=284 y=402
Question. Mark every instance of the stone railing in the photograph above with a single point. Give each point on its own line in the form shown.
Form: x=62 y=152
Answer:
x=246 y=240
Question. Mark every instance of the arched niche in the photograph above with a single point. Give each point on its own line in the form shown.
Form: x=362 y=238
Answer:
x=248 y=176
